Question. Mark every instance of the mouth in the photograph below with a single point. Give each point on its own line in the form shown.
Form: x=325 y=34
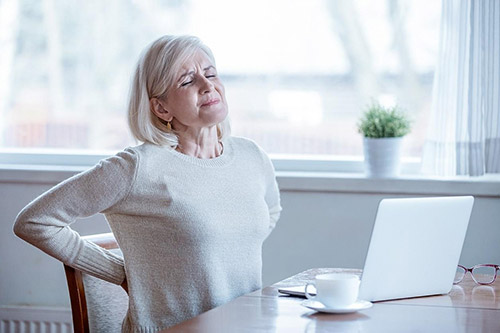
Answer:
x=211 y=102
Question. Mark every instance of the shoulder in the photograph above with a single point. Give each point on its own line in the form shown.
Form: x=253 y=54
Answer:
x=126 y=160
x=250 y=149
x=140 y=152
x=245 y=144
x=142 y=149
x=150 y=159
x=129 y=155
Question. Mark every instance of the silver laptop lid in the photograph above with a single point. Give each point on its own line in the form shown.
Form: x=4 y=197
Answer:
x=415 y=247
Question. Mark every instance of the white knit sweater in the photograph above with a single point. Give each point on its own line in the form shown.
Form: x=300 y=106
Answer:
x=191 y=230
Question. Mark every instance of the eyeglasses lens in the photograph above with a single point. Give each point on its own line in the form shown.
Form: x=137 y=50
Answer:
x=459 y=275
x=484 y=274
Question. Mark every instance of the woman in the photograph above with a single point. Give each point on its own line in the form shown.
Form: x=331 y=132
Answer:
x=190 y=207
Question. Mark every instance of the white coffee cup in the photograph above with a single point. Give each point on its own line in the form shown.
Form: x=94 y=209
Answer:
x=335 y=290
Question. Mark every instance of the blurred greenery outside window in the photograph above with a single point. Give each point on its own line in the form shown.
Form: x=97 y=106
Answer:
x=298 y=74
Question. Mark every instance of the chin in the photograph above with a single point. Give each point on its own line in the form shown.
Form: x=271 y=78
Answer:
x=218 y=116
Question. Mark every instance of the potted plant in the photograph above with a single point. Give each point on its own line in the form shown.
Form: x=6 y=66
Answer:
x=383 y=129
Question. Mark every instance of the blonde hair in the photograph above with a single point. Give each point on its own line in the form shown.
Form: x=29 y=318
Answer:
x=154 y=75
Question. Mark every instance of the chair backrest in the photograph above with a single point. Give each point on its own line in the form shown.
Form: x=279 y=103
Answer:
x=96 y=305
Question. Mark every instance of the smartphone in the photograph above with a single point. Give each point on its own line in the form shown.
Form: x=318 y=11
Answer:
x=297 y=291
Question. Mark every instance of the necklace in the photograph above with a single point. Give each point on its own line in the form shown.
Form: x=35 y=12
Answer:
x=221 y=147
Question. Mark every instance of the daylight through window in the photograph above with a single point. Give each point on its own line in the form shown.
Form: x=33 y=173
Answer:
x=298 y=74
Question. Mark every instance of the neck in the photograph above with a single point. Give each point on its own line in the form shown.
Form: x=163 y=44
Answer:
x=200 y=144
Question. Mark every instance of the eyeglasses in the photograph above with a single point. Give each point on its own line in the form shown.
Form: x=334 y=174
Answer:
x=481 y=274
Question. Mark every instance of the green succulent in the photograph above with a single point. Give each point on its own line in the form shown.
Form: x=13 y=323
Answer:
x=384 y=122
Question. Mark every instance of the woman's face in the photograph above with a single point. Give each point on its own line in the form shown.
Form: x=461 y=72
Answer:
x=197 y=98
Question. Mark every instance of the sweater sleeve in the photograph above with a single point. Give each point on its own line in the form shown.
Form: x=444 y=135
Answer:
x=272 y=196
x=45 y=222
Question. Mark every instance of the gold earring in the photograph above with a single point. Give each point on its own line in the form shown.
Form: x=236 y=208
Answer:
x=169 y=126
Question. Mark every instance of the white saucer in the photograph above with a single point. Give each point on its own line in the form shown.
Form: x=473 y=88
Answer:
x=320 y=307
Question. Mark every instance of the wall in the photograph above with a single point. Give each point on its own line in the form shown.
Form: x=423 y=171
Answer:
x=326 y=222
x=334 y=229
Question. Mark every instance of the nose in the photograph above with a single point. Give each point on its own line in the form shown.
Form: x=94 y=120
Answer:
x=206 y=86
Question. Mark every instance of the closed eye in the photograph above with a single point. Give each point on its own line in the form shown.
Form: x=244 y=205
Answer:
x=186 y=83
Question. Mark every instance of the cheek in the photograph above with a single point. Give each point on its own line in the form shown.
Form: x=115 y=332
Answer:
x=222 y=93
x=183 y=101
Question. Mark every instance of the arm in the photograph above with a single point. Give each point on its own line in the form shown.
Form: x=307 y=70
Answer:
x=45 y=222
x=272 y=196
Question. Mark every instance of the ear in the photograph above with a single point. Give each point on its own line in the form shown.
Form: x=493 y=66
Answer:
x=158 y=108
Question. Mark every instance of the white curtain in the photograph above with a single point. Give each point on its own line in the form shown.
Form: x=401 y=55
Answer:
x=464 y=129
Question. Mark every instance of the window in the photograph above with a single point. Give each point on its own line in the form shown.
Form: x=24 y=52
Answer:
x=297 y=73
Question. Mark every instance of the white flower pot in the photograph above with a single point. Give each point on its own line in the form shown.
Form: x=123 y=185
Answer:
x=382 y=157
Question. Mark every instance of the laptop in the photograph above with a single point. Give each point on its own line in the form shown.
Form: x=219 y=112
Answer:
x=414 y=249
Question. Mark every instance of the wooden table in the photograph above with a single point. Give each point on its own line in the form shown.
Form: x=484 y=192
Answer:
x=467 y=308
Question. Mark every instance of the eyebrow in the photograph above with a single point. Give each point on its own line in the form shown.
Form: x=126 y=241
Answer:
x=192 y=72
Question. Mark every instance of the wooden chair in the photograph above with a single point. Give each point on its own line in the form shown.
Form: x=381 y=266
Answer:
x=83 y=287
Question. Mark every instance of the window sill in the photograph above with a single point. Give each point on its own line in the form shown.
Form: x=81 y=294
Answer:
x=296 y=181
x=485 y=186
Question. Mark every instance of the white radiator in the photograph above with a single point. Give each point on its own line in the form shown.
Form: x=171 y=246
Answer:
x=28 y=319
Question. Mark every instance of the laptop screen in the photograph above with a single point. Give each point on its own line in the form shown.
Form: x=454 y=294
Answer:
x=415 y=247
